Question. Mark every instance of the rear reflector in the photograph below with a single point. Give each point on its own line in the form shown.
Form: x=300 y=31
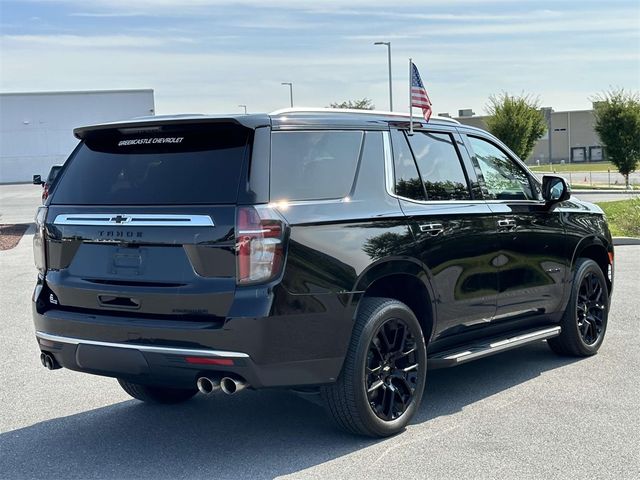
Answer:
x=227 y=362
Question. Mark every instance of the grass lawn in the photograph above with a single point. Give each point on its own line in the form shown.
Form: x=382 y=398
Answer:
x=623 y=217
x=576 y=167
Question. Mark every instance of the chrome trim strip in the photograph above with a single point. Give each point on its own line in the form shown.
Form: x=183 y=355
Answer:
x=142 y=348
x=134 y=220
x=504 y=344
x=388 y=164
x=284 y=111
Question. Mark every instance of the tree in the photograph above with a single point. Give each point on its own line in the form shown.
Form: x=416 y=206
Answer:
x=361 y=104
x=517 y=121
x=617 y=114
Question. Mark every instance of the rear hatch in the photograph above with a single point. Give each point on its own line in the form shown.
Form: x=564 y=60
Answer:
x=141 y=222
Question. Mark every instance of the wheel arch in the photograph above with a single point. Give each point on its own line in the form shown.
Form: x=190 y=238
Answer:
x=598 y=250
x=405 y=280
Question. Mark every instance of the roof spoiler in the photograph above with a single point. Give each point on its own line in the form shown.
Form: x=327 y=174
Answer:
x=248 y=121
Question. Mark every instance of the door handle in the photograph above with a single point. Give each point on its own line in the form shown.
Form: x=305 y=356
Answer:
x=432 y=229
x=507 y=224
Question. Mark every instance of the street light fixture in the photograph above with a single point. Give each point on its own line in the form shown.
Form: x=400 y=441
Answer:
x=290 y=91
x=245 y=108
x=388 y=44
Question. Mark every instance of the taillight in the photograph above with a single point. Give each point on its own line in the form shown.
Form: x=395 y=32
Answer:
x=39 y=255
x=259 y=244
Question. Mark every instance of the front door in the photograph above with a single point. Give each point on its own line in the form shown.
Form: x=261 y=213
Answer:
x=533 y=264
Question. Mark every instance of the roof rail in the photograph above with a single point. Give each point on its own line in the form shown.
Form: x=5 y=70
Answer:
x=284 y=111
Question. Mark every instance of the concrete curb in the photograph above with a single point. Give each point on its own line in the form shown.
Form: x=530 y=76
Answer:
x=626 y=241
x=578 y=191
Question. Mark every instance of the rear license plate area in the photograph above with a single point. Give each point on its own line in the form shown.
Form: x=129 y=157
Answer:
x=111 y=359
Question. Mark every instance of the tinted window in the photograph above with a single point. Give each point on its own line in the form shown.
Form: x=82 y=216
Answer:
x=439 y=166
x=313 y=165
x=503 y=177
x=408 y=183
x=53 y=173
x=164 y=166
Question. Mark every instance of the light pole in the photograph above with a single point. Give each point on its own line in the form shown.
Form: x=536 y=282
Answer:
x=290 y=91
x=547 y=111
x=245 y=108
x=388 y=44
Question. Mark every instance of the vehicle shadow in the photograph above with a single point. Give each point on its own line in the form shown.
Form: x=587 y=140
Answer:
x=251 y=435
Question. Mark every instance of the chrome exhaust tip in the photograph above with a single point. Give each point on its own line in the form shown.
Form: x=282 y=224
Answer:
x=231 y=385
x=208 y=385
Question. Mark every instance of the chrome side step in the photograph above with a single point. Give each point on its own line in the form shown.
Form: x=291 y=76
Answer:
x=454 y=357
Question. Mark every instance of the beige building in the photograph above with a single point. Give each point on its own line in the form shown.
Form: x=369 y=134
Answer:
x=573 y=137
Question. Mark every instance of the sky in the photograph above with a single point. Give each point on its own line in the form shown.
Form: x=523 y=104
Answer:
x=209 y=56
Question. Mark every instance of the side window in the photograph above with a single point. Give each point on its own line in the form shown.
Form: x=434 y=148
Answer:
x=408 y=183
x=504 y=178
x=313 y=165
x=439 y=166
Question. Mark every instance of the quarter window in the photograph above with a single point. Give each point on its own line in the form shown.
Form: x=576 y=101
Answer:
x=503 y=177
x=313 y=165
x=439 y=166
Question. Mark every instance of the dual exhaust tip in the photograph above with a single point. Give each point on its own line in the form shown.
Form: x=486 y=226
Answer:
x=228 y=385
x=48 y=361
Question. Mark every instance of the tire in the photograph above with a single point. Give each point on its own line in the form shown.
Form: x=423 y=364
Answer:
x=149 y=394
x=357 y=400
x=584 y=322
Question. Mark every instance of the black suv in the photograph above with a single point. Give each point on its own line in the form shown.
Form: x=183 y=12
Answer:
x=319 y=250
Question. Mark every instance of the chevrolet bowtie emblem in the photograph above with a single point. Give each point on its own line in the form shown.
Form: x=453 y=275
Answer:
x=120 y=219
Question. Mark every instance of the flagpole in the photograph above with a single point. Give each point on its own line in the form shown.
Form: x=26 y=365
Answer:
x=410 y=106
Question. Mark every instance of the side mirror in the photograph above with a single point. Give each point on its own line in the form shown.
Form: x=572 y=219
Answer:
x=37 y=180
x=555 y=189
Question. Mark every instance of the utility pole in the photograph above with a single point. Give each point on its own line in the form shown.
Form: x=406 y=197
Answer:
x=388 y=44
x=245 y=108
x=290 y=91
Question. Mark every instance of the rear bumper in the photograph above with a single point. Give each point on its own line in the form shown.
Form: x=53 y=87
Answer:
x=274 y=351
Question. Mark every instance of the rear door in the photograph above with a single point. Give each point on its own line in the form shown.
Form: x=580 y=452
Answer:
x=455 y=237
x=533 y=251
x=142 y=221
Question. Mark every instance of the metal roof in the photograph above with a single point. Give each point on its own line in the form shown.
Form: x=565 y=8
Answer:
x=79 y=92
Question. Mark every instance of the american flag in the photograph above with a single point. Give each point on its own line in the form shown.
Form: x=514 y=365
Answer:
x=419 y=97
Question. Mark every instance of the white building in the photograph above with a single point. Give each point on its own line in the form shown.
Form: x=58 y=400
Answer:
x=36 y=129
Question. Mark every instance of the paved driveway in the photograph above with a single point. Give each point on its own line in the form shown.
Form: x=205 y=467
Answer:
x=18 y=203
x=521 y=414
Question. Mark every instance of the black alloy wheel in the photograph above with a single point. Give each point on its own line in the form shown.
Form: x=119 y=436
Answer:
x=584 y=322
x=392 y=370
x=383 y=376
x=590 y=308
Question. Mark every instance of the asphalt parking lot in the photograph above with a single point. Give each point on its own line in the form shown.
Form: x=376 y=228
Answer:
x=521 y=414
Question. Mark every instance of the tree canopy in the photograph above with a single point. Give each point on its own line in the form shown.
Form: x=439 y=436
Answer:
x=617 y=122
x=358 y=104
x=517 y=121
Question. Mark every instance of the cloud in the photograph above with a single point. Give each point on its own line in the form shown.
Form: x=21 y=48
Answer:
x=210 y=55
x=92 y=41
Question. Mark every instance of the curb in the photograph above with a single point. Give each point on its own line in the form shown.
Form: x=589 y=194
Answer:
x=578 y=191
x=626 y=241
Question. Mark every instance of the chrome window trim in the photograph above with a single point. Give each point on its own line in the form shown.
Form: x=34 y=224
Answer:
x=389 y=173
x=390 y=180
x=142 y=348
x=134 y=220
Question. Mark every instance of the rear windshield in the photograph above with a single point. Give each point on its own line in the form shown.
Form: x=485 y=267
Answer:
x=160 y=166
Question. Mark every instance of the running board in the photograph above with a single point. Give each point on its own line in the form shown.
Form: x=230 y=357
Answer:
x=484 y=348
